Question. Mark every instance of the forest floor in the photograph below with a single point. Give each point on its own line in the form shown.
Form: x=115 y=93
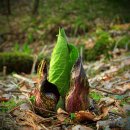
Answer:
x=106 y=55
x=109 y=93
x=109 y=80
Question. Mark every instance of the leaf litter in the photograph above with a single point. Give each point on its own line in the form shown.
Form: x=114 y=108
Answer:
x=111 y=81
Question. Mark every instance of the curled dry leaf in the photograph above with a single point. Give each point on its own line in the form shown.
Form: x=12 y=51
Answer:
x=3 y=99
x=122 y=89
x=27 y=119
x=84 y=116
x=104 y=113
x=107 y=101
x=89 y=116
x=106 y=77
x=62 y=115
x=24 y=86
x=61 y=111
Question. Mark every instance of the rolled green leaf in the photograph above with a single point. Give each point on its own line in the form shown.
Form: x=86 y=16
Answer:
x=63 y=57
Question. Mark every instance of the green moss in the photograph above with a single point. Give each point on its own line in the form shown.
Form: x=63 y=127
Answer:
x=102 y=45
x=10 y=104
x=124 y=42
x=96 y=96
x=18 y=62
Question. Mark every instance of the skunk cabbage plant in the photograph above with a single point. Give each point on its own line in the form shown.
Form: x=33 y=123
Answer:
x=63 y=58
x=77 y=98
x=47 y=95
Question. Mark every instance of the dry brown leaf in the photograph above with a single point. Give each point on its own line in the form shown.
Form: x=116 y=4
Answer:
x=3 y=99
x=126 y=86
x=120 y=109
x=24 y=86
x=106 y=77
x=62 y=115
x=117 y=129
x=27 y=119
x=116 y=91
x=84 y=116
x=122 y=89
x=104 y=111
x=61 y=111
x=107 y=101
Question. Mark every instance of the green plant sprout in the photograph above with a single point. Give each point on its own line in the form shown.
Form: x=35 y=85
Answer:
x=96 y=96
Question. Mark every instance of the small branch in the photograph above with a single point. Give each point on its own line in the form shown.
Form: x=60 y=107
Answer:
x=105 y=91
x=16 y=91
x=45 y=110
x=123 y=82
x=121 y=59
x=4 y=71
x=45 y=128
x=29 y=81
x=34 y=64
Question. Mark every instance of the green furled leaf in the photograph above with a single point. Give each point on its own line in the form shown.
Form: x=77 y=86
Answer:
x=63 y=57
x=60 y=104
x=72 y=116
x=32 y=99
x=73 y=53
x=59 y=67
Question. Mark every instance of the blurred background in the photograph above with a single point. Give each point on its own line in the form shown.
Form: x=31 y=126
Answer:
x=31 y=26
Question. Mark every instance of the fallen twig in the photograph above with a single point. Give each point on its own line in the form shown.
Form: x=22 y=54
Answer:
x=16 y=91
x=121 y=59
x=46 y=110
x=31 y=82
x=45 y=128
x=105 y=91
x=123 y=82
x=4 y=72
x=34 y=64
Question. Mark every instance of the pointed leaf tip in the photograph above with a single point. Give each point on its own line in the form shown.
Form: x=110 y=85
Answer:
x=78 y=69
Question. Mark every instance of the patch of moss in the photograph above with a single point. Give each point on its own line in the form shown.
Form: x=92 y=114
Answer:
x=124 y=42
x=17 y=62
x=102 y=46
x=96 y=96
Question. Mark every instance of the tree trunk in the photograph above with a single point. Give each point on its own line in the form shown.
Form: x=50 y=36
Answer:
x=5 y=7
x=8 y=7
x=35 y=7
